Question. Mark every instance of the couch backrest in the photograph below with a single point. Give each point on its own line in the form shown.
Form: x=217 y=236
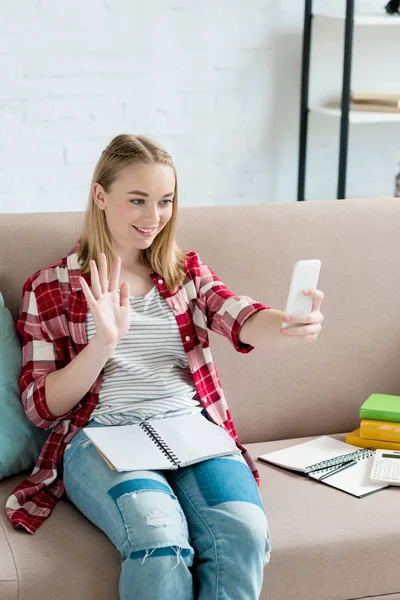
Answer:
x=307 y=390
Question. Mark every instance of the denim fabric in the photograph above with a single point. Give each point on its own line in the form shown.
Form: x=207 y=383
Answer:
x=198 y=532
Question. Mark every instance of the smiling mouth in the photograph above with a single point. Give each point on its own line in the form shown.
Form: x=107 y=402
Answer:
x=145 y=230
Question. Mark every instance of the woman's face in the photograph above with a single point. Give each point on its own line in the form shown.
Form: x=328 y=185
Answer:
x=138 y=204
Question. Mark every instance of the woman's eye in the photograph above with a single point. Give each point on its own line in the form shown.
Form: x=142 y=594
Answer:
x=139 y=201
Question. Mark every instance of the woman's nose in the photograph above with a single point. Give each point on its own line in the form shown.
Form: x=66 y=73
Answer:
x=151 y=213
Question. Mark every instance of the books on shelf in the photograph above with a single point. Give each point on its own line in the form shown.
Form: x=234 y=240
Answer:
x=369 y=107
x=375 y=101
x=379 y=98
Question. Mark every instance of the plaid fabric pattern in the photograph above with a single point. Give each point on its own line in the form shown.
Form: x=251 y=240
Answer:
x=52 y=329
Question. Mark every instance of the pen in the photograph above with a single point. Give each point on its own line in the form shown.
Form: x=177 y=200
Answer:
x=322 y=468
x=341 y=467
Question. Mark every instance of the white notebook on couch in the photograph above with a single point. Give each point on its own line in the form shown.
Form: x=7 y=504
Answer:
x=329 y=453
x=159 y=444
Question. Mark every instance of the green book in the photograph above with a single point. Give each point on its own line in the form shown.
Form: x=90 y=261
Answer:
x=381 y=407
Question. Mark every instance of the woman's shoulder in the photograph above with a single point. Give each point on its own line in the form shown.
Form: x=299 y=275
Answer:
x=53 y=273
x=192 y=260
x=195 y=267
x=56 y=272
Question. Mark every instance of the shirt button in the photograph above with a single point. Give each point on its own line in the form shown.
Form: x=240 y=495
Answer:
x=176 y=306
x=187 y=338
x=160 y=281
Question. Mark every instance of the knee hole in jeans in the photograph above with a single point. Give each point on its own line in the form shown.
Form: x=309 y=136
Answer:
x=152 y=517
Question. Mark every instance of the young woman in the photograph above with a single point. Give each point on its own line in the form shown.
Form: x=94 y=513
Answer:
x=116 y=333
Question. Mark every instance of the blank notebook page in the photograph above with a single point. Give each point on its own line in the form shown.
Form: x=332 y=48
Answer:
x=190 y=437
x=128 y=447
x=302 y=455
x=196 y=437
x=354 y=480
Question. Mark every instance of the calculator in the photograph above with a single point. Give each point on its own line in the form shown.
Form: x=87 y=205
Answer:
x=386 y=467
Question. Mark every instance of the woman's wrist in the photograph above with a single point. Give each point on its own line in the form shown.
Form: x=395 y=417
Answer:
x=102 y=349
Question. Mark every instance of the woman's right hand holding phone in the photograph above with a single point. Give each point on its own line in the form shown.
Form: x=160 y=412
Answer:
x=111 y=313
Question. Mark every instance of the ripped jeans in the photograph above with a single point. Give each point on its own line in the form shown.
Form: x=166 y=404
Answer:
x=198 y=532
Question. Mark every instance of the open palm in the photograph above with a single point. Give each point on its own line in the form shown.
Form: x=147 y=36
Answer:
x=111 y=313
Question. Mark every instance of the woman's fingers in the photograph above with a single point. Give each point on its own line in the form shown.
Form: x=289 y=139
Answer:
x=115 y=274
x=87 y=292
x=314 y=317
x=306 y=327
x=303 y=330
x=317 y=298
x=99 y=282
x=103 y=273
x=124 y=295
x=94 y=278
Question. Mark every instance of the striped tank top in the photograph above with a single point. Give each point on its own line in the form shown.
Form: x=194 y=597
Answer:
x=148 y=375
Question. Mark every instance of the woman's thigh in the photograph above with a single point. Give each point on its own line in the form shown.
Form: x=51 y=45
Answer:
x=136 y=509
x=227 y=525
x=222 y=503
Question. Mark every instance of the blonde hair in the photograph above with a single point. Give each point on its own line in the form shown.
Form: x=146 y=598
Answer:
x=163 y=256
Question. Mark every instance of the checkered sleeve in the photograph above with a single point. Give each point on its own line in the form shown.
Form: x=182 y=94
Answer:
x=39 y=358
x=226 y=312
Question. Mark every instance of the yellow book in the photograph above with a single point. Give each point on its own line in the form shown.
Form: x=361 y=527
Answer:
x=354 y=438
x=388 y=431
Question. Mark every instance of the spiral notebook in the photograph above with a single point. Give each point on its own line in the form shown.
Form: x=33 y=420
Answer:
x=159 y=444
x=324 y=454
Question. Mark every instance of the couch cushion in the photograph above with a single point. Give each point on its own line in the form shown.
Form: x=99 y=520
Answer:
x=326 y=545
x=20 y=442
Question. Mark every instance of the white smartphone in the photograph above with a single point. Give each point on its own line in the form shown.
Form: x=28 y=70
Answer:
x=304 y=277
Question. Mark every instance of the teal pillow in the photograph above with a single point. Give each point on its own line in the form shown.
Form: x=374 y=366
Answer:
x=20 y=441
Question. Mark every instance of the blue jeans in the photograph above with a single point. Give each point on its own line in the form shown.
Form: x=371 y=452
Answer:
x=197 y=532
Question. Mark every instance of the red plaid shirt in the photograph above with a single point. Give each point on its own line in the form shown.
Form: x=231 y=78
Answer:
x=52 y=327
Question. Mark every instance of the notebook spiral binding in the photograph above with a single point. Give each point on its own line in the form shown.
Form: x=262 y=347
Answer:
x=157 y=439
x=338 y=460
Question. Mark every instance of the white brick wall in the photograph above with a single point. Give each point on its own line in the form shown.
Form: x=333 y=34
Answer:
x=215 y=81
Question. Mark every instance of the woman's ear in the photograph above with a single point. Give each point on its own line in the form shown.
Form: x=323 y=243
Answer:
x=99 y=196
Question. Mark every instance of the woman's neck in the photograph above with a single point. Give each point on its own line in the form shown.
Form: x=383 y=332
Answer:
x=130 y=259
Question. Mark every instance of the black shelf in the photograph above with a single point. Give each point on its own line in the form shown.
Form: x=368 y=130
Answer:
x=345 y=98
